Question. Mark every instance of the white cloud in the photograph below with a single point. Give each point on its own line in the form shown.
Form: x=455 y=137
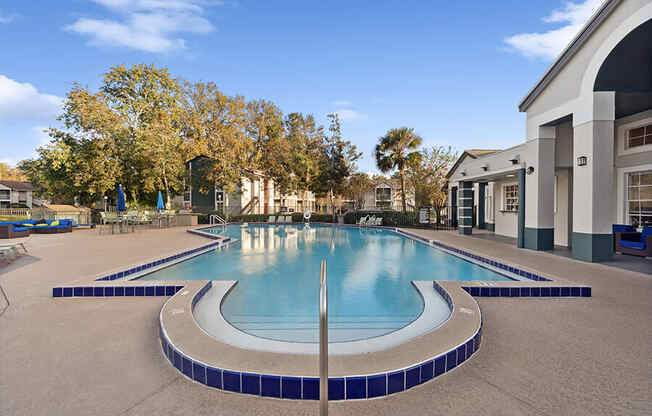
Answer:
x=342 y=103
x=22 y=101
x=548 y=45
x=346 y=114
x=147 y=25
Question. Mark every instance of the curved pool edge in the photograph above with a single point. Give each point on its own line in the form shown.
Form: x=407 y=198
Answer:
x=215 y=364
x=207 y=314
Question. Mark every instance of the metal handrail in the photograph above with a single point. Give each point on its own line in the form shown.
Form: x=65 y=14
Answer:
x=323 y=341
x=216 y=219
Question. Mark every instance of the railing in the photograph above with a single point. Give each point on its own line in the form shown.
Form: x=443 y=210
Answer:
x=215 y=219
x=323 y=342
x=19 y=212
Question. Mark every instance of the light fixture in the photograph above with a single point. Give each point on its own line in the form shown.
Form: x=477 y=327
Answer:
x=515 y=160
x=582 y=161
x=485 y=167
x=463 y=173
x=530 y=170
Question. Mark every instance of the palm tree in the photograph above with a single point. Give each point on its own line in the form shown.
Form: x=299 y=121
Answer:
x=393 y=152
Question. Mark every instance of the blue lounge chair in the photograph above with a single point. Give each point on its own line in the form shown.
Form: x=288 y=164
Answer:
x=636 y=244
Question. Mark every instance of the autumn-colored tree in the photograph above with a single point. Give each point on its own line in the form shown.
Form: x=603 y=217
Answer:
x=8 y=173
x=337 y=163
x=395 y=150
x=357 y=186
x=427 y=175
x=213 y=125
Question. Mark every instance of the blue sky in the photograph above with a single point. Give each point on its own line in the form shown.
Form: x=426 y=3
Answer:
x=454 y=71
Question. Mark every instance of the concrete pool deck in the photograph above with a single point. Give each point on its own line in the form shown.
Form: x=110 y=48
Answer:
x=539 y=356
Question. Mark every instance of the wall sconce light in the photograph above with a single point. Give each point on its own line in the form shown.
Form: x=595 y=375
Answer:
x=463 y=173
x=485 y=167
x=530 y=170
x=515 y=160
x=582 y=161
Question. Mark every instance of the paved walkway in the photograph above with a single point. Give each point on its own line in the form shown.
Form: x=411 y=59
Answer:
x=102 y=357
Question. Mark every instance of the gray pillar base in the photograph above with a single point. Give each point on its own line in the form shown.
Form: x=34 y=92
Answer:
x=465 y=230
x=539 y=238
x=491 y=227
x=592 y=247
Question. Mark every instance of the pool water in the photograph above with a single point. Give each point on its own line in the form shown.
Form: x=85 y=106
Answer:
x=277 y=268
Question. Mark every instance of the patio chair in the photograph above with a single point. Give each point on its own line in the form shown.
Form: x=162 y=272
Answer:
x=379 y=221
x=363 y=220
x=636 y=244
x=14 y=230
x=11 y=251
x=272 y=218
x=288 y=219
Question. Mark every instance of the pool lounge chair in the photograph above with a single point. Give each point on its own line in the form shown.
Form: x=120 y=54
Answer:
x=363 y=220
x=379 y=221
x=12 y=251
x=636 y=244
x=288 y=218
x=272 y=218
x=14 y=230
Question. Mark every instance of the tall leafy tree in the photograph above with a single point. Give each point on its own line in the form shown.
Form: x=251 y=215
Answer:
x=427 y=175
x=11 y=174
x=337 y=162
x=213 y=125
x=357 y=186
x=395 y=150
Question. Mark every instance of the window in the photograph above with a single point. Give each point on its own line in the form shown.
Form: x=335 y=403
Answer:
x=383 y=194
x=639 y=136
x=510 y=197
x=22 y=196
x=639 y=198
x=5 y=194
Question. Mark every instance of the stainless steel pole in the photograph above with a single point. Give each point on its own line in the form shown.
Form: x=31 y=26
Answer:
x=323 y=342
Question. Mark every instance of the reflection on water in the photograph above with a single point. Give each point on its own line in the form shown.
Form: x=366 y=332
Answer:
x=277 y=268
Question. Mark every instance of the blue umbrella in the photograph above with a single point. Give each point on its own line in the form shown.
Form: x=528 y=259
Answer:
x=121 y=200
x=159 y=204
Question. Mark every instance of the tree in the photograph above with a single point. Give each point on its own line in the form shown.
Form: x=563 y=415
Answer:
x=393 y=152
x=11 y=174
x=69 y=168
x=213 y=125
x=427 y=175
x=358 y=184
x=337 y=162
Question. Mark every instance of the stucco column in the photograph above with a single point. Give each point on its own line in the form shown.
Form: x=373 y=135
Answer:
x=481 y=203
x=520 y=226
x=539 y=197
x=491 y=209
x=453 y=204
x=465 y=207
x=592 y=211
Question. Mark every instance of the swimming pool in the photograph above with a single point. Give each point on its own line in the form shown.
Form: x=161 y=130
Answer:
x=369 y=279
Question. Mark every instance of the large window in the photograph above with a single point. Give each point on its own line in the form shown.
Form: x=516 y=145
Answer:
x=5 y=194
x=639 y=198
x=383 y=194
x=510 y=197
x=639 y=136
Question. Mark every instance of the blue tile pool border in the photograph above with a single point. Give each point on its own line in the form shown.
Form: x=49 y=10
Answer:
x=355 y=387
x=479 y=260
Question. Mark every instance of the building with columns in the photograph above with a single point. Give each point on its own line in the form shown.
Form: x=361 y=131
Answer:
x=586 y=163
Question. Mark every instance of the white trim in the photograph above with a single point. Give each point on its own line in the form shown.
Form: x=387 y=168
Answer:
x=621 y=202
x=504 y=197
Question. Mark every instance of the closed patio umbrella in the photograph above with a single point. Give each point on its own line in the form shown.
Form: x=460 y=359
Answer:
x=121 y=206
x=159 y=204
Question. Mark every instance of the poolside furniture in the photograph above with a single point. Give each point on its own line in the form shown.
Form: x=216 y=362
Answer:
x=14 y=230
x=53 y=227
x=618 y=230
x=288 y=218
x=379 y=221
x=363 y=220
x=371 y=221
x=272 y=218
x=636 y=244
